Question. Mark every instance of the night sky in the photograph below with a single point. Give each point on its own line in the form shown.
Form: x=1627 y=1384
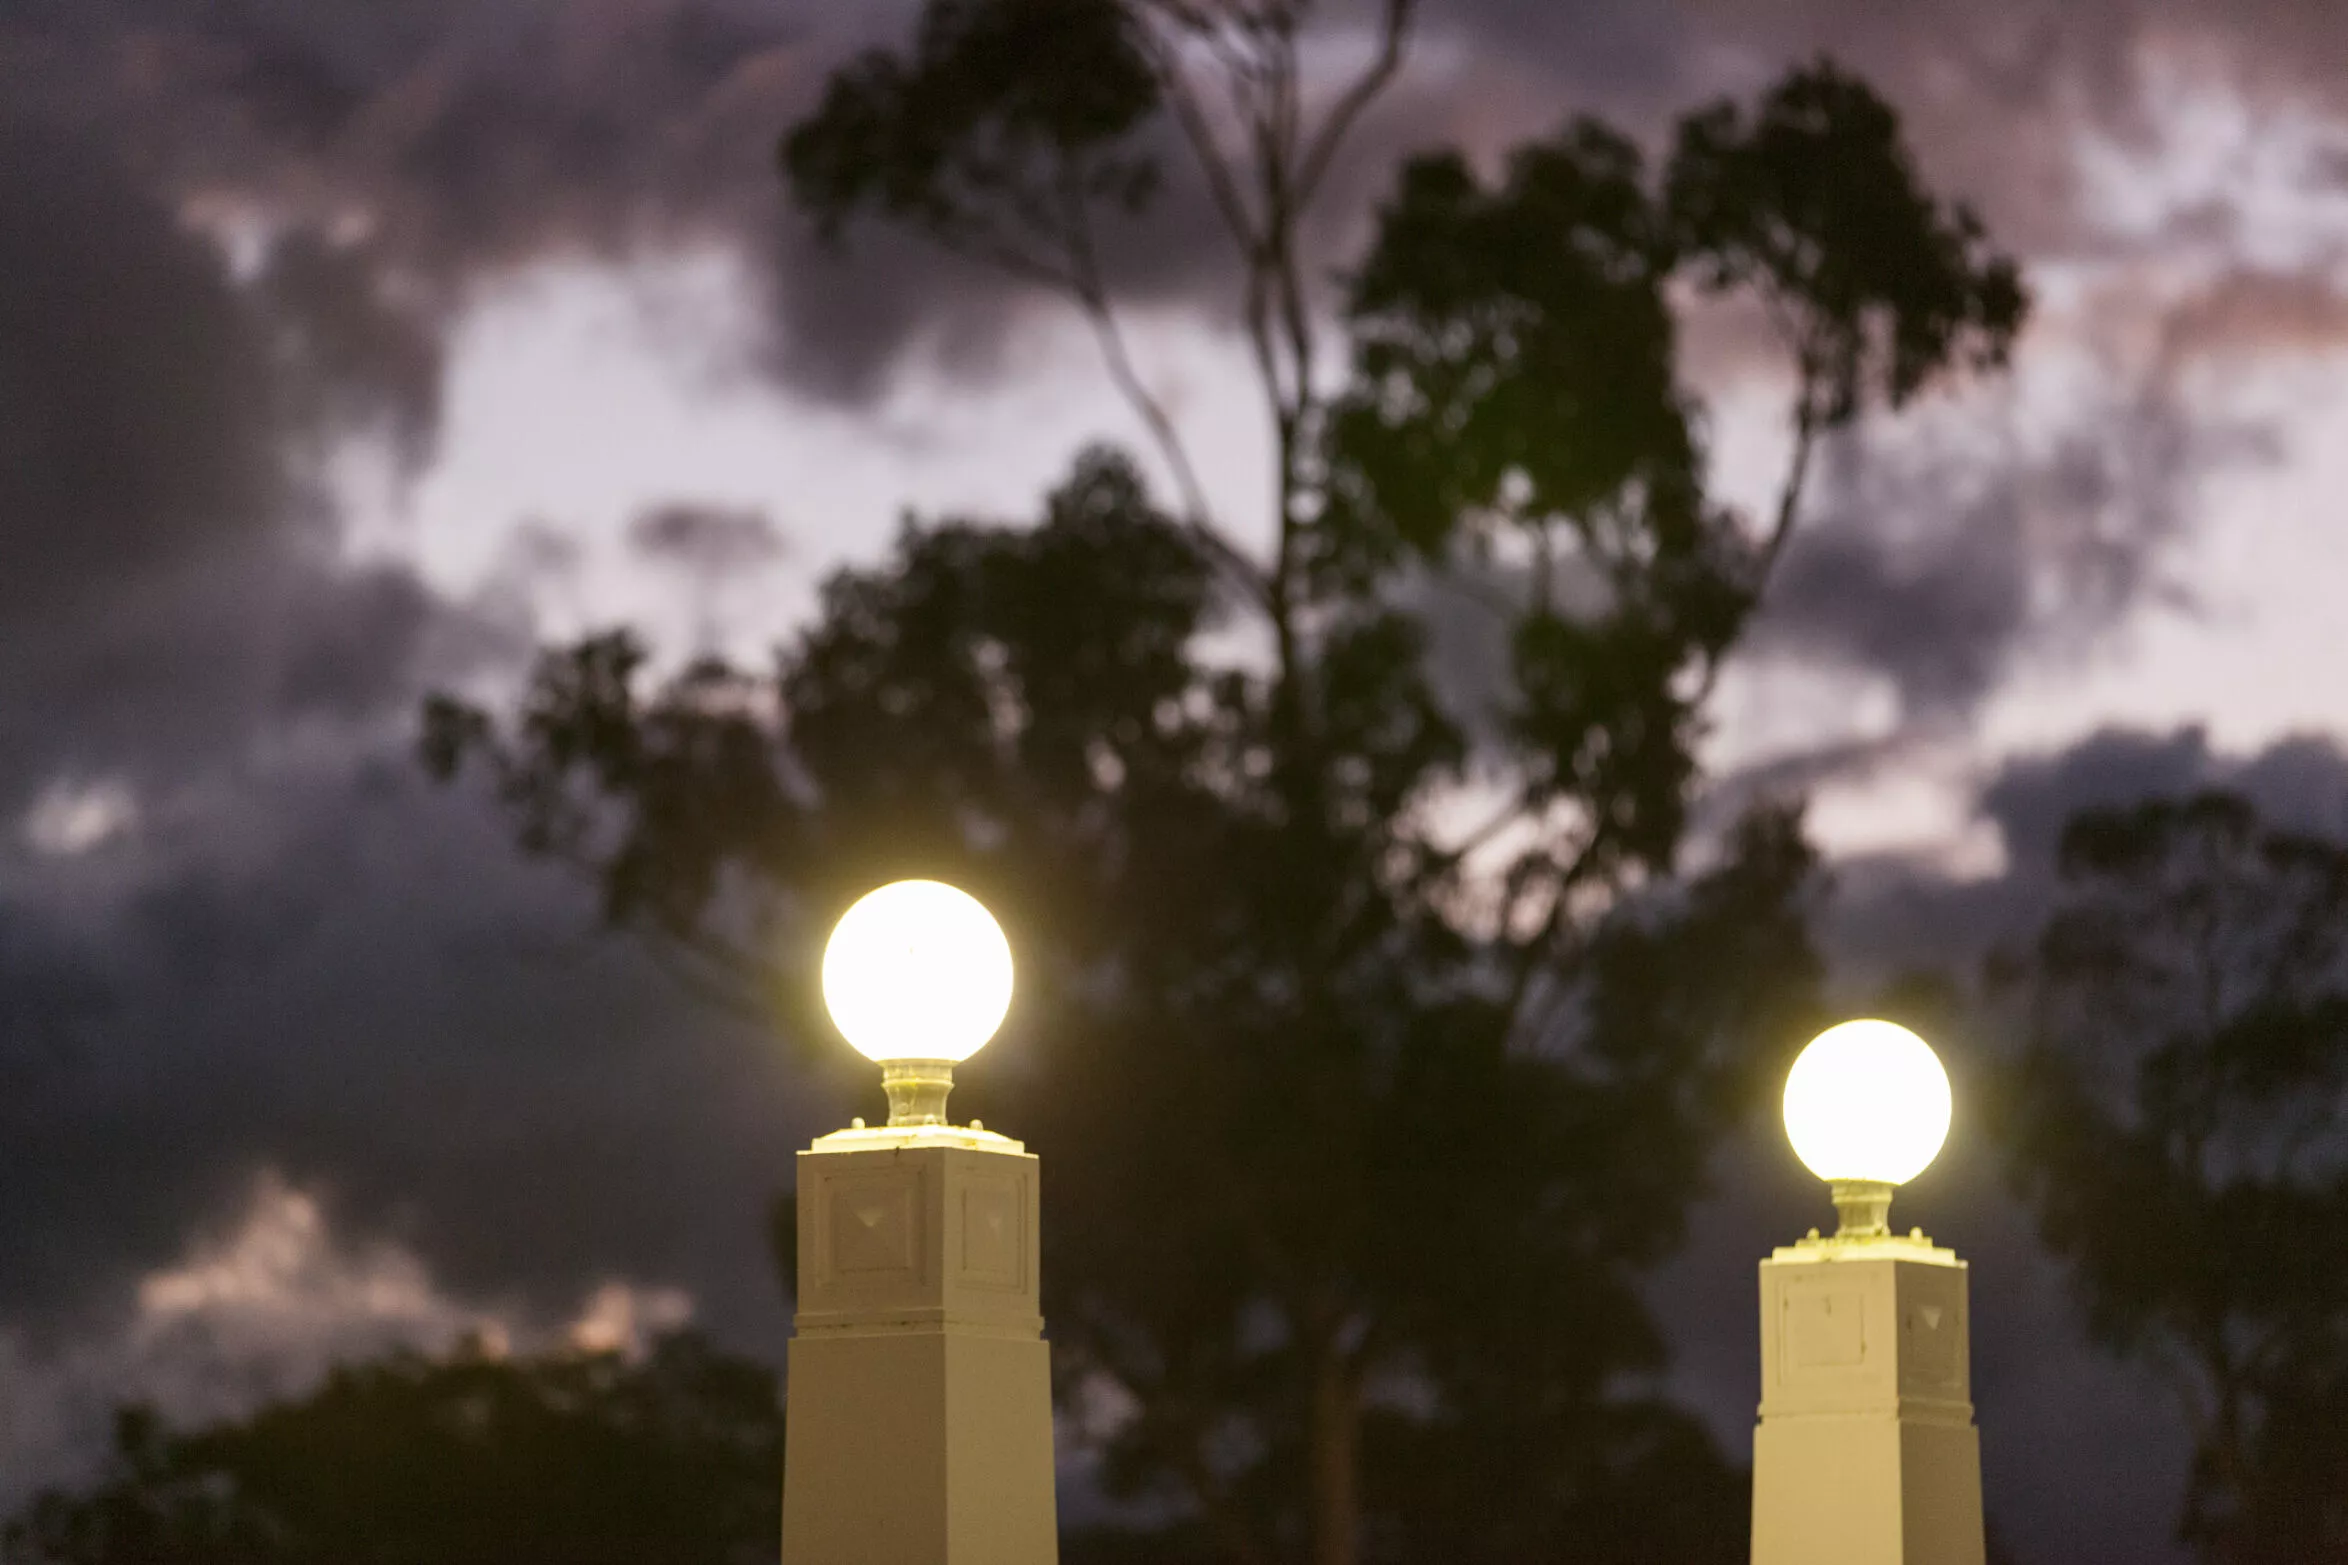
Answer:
x=351 y=348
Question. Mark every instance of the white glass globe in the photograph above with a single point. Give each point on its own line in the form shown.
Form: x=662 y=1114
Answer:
x=1867 y=1100
x=917 y=971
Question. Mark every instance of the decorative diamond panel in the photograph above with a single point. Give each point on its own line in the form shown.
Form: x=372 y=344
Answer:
x=1930 y=1353
x=872 y=1227
x=990 y=1232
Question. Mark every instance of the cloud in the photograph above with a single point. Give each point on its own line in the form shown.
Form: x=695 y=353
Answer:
x=706 y=538
x=2029 y=522
x=261 y=1310
x=169 y=564
x=721 y=553
x=495 y=132
x=68 y=819
x=1893 y=912
x=238 y=930
x=450 y=144
x=460 y=135
x=1998 y=95
x=138 y=428
x=447 y=143
x=2254 y=313
x=316 y=1065
x=353 y=360
x=2300 y=782
x=618 y=1318
x=257 y=1310
x=1941 y=566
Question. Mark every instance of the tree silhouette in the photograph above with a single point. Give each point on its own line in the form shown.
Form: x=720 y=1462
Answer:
x=2178 y=1127
x=1376 y=1037
x=561 y=1459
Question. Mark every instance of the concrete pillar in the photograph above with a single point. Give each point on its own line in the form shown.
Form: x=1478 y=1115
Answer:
x=918 y=1421
x=1866 y=1453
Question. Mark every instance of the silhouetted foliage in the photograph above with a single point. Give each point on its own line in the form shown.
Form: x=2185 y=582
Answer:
x=1813 y=205
x=563 y=1459
x=1814 y=201
x=1363 y=1117
x=1003 y=116
x=2180 y=1115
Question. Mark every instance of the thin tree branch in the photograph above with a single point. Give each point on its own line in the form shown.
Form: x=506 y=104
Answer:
x=1503 y=818
x=1394 y=36
x=1289 y=202
x=974 y=243
x=1807 y=426
x=717 y=976
x=1183 y=13
x=1222 y=181
x=1569 y=877
x=1789 y=500
x=1092 y=295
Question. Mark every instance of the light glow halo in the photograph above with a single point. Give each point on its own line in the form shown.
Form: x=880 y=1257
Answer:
x=1867 y=1100
x=917 y=970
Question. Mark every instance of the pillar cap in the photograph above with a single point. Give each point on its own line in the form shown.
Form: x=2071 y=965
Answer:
x=876 y=1138
x=1913 y=1245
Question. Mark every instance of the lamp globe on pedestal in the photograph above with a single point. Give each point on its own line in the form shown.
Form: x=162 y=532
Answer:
x=1867 y=1109
x=917 y=977
x=918 y=1430
x=1866 y=1452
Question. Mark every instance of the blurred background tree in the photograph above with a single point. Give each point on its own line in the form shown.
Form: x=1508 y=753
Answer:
x=1375 y=1032
x=2179 y=1122
x=565 y=1458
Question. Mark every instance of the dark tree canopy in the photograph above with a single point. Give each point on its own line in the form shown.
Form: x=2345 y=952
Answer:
x=1375 y=1041
x=1003 y=116
x=561 y=1459
x=1515 y=357
x=2180 y=1116
x=1813 y=204
x=1815 y=201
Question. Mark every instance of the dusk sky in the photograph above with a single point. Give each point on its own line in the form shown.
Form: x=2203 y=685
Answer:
x=351 y=349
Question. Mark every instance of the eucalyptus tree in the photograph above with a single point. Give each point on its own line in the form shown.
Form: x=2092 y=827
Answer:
x=2179 y=1113
x=1374 y=1029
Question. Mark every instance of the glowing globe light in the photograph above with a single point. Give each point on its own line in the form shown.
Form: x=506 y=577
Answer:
x=1867 y=1101
x=917 y=971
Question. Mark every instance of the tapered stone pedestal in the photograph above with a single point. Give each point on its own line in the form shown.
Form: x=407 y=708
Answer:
x=918 y=1425
x=1866 y=1453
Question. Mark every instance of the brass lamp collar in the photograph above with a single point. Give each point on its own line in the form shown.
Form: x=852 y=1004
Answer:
x=1864 y=1206
x=917 y=1090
